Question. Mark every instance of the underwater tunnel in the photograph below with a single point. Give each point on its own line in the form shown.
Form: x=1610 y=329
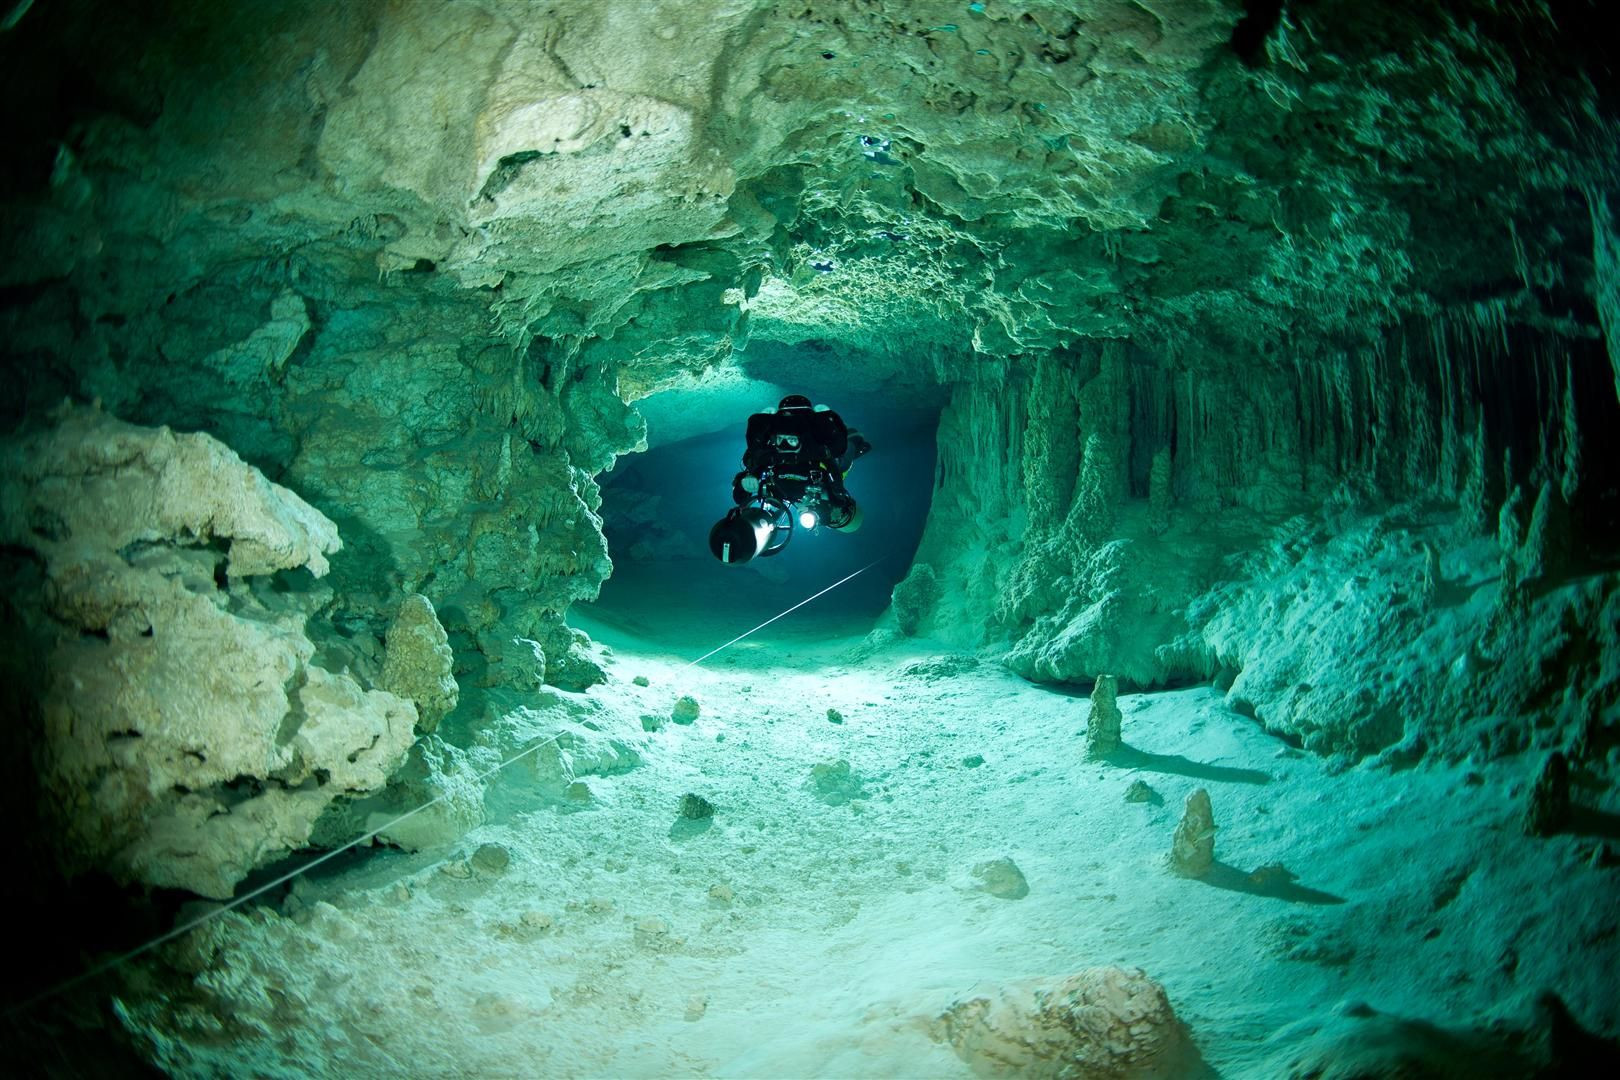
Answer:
x=1223 y=678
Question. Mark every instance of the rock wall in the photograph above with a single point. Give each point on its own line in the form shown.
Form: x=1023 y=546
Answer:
x=185 y=734
x=1314 y=539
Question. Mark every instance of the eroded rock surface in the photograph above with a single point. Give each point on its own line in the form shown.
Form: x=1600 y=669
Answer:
x=1099 y=1024
x=188 y=738
x=418 y=665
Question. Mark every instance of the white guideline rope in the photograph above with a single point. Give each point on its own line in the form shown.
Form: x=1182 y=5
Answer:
x=789 y=611
x=214 y=913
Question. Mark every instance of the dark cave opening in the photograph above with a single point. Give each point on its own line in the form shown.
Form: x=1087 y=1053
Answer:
x=658 y=507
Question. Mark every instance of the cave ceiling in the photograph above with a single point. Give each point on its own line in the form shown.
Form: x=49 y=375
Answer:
x=647 y=188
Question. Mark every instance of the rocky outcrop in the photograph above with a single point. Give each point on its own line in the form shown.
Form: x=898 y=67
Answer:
x=914 y=598
x=1101 y=1024
x=187 y=736
x=418 y=663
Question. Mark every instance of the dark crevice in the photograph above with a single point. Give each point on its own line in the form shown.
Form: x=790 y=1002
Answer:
x=1260 y=18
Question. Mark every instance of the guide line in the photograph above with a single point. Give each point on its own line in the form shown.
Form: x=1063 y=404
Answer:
x=789 y=611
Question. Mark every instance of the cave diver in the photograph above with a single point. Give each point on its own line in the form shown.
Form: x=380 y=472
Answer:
x=797 y=457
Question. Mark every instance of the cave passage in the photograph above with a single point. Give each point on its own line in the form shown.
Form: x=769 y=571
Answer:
x=1234 y=689
x=657 y=509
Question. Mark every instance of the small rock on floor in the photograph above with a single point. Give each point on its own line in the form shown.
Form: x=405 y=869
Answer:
x=1002 y=878
x=491 y=859
x=1139 y=791
x=834 y=716
x=642 y=680
x=686 y=710
x=696 y=807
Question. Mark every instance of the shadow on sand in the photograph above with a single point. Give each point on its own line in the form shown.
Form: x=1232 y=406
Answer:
x=1131 y=758
x=1585 y=821
x=1274 y=881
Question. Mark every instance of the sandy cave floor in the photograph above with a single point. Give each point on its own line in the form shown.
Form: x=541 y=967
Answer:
x=792 y=937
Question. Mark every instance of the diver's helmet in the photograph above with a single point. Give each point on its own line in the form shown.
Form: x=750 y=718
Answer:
x=793 y=401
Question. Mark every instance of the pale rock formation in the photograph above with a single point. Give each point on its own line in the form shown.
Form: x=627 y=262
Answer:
x=1001 y=878
x=1102 y=723
x=1192 y=850
x=1324 y=639
x=685 y=710
x=1141 y=792
x=914 y=598
x=835 y=783
x=572 y=755
x=1099 y=1024
x=438 y=787
x=263 y=355
x=419 y=662
x=188 y=738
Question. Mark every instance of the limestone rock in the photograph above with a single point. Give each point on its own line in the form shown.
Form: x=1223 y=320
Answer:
x=686 y=710
x=1192 y=852
x=1001 y=878
x=436 y=775
x=570 y=756
x=933 y=668
x=418 y=664
x=914 y=598
x=1102 y=724
x=573 y=660
x=835 y=783
x=696 y=807
x=188 y=735
x=1140 y=791
x=1547 y=810
x=94 y=484
x=1098 y=1024
x=490 y=859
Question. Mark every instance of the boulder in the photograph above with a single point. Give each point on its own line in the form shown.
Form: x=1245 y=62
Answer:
x=1001 y=878
x=1099 y=1024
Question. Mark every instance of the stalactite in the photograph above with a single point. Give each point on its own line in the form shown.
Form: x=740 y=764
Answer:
x=1606 y=261
x=1569 y=473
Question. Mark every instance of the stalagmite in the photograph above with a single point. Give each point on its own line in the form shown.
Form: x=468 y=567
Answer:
x=1102 y=724
x=1159 y=493
x=1192 y=851
x=1547 y=809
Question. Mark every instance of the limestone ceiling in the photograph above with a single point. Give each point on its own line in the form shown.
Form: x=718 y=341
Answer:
x=652 y=185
